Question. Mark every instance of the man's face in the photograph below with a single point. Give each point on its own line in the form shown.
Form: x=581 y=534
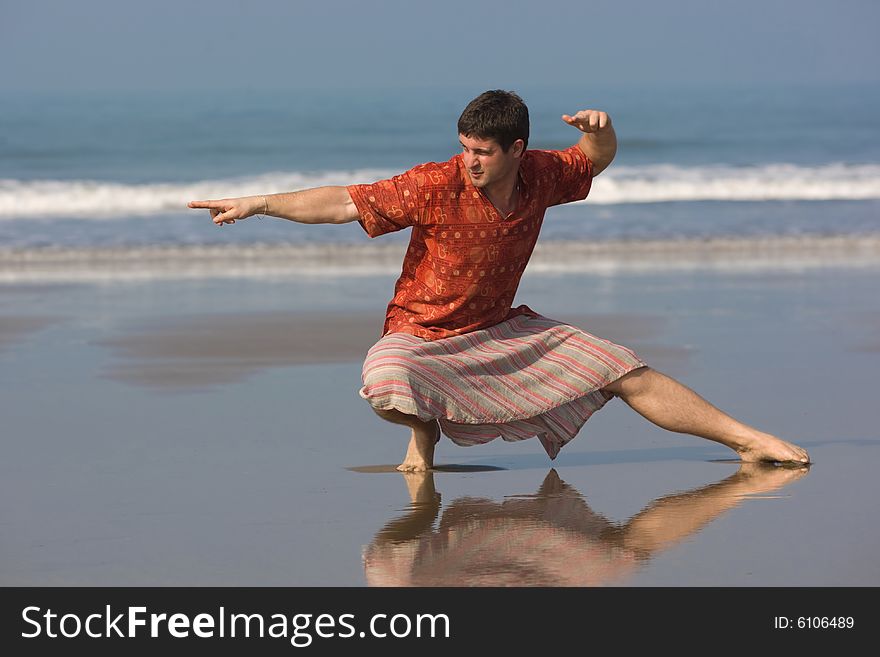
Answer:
x=486 y=163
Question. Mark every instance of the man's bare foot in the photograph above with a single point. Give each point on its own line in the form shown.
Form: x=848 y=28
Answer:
x=420 y=453
x=765 y=447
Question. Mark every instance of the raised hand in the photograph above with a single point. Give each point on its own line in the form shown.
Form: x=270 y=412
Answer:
x=589 y=121
x=229 y=210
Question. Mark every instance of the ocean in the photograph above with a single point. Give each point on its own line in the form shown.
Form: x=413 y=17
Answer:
x=113 y=172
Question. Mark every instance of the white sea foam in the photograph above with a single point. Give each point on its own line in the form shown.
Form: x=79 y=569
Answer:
x=92 y=199
x=294 y=261
x=769 y=182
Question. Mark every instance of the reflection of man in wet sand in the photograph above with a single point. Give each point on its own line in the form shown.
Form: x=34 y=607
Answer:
x=454 y=356
x=550 y=539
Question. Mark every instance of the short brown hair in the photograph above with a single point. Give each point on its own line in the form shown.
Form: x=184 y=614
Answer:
x=499 y=115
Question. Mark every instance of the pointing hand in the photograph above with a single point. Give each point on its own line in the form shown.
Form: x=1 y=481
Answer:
x=229 y=210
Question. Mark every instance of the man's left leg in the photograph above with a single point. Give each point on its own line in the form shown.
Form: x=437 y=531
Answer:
x=425 y=435
x=672 y=406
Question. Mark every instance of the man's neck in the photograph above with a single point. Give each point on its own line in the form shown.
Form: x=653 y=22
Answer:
x=504 y=193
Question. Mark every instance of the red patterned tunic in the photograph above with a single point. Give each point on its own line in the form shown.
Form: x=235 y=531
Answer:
x=464 y=260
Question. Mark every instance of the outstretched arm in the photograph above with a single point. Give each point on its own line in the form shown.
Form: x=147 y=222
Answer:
x=319 y=205
x=599 y=142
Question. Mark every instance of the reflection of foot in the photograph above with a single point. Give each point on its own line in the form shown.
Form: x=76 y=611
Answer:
x=421 y=487
x=759 y=478
x=420 y=453
x=771 y=448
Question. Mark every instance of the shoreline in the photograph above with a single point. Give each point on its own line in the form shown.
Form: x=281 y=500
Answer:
x=258 y=260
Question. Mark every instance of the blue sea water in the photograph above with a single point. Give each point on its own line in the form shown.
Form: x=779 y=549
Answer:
x=85 y=170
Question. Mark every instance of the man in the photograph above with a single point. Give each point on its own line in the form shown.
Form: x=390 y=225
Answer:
x=454 y=357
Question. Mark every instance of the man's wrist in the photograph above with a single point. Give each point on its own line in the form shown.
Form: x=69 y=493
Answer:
x=258 y=205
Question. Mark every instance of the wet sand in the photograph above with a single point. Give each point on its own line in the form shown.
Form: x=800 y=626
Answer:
x=210 y=433
x=16 y=328
x=207 y=350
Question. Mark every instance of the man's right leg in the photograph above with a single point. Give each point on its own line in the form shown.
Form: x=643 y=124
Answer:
x=675 y=407
x=425 y=435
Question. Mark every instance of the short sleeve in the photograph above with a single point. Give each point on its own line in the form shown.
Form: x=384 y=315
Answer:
x=567 y=174
x=387 y=205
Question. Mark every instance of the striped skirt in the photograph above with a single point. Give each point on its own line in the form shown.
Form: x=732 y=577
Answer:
x=525 y=377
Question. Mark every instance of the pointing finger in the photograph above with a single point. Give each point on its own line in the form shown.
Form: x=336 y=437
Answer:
x=204 y=204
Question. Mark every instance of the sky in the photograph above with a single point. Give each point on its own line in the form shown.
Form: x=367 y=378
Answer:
x=235 y=46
